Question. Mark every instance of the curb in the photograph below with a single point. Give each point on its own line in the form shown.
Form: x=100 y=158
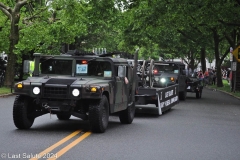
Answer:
x=6 y=95
x=224 y=92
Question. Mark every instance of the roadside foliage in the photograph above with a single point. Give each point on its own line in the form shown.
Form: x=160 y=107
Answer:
x=191 y=30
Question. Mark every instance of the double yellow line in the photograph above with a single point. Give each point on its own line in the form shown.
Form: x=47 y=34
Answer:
x=65 y=149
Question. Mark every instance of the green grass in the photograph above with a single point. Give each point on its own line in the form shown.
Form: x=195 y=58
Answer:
x=225 y=88
x=5 y=90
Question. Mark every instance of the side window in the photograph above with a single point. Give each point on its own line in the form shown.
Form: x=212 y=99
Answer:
x=129 y=72
x=122 y=71
x=103 y=69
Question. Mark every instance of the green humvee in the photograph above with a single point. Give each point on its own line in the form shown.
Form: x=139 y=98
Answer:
x=90 y=87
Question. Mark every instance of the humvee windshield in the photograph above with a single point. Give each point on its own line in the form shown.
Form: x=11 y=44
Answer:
x=82 y=68
x=165 y=68
x=53 y=66
x=93 y=68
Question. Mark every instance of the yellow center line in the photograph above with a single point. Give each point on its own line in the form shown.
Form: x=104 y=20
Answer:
x=71 y=145
x=56 y=145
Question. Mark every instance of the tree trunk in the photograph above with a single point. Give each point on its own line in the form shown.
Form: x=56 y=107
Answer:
x=217 y=57
x=10 y=72
x=14 y=17
x=203 y=61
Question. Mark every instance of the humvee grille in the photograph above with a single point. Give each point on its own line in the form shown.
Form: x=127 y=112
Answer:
x=55 y=92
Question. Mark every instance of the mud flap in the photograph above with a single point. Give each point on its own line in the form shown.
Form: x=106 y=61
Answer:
x=159 y=106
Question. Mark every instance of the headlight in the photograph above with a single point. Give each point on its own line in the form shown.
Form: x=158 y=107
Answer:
x=163 y=80
x=75 y=92
x=36 y=90
x=156 y=79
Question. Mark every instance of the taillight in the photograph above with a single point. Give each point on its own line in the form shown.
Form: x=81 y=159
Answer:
x=84 y=62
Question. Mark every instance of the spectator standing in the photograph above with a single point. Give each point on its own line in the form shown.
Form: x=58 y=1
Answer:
x=206 y=77
x=214 y=77
x=201 y=76
x=228 y=75
x=210 y=76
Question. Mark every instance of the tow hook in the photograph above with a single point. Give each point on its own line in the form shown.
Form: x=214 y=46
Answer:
x=47 y=107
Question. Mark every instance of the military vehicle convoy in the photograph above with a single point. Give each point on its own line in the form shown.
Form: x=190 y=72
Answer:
x=88 y=86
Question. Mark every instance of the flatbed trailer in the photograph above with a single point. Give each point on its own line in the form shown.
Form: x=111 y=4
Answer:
x=163 y=98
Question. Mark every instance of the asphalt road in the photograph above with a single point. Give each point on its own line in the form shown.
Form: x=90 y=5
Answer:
x=195 y=129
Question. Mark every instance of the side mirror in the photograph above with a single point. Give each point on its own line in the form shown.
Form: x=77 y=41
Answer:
x=121 y=71
x=26 y=66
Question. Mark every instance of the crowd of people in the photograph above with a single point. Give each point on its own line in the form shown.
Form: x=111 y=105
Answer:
x=209 y=77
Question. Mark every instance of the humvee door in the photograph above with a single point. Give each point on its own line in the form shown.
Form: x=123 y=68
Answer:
x=121 y=88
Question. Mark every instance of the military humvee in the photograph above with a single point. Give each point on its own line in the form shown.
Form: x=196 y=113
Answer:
x=170 y=73
x=90 y=87
x=147 y=92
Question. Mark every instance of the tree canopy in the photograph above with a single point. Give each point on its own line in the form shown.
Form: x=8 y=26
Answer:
x=190 y=30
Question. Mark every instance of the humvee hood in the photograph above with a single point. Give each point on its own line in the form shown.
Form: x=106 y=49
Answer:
x=68 y=81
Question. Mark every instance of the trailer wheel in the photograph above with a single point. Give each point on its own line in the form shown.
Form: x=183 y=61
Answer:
x=197 y=94
x=126 y=116
x=21 y=110
x=200 y=94
x=63 y=116
x=99 y=115
x=183 y=95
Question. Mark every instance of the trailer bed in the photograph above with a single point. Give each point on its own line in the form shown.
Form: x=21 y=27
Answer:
x=163 y=98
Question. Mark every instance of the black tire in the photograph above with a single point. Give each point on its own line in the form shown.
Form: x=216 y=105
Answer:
x=126 y=116
x=182 y=95
x=63 y=116
x=197 y=94
x=200 y=94
x=99 y=115
x=21 y=110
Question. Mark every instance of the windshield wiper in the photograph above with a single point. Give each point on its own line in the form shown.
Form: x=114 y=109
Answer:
x=48 y=58
x=92 y=59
